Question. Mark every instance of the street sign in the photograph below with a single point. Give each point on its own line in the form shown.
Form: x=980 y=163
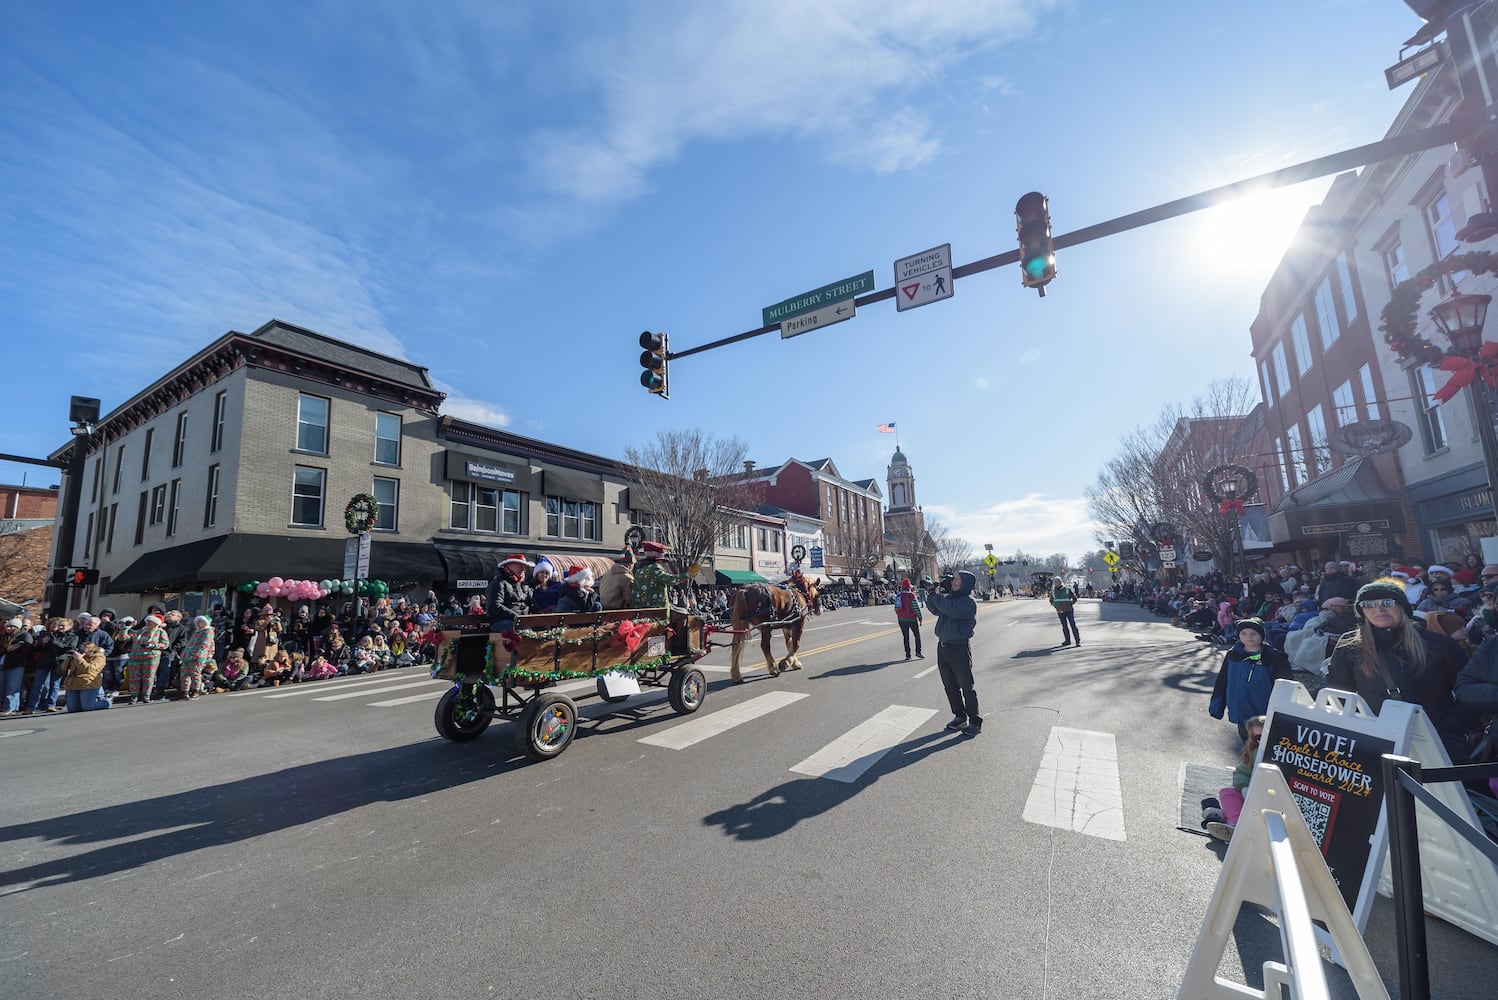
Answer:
x=1167 y=553
x=1418 y=64
x=1167 y=564
x=1111 y=558
x=351 y=557
x=818 y=297
x=836 y=312
x=923 y=278
x=365 y=541
x=990 y=561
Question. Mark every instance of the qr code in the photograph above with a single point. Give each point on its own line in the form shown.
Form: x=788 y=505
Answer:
x=1316 y=815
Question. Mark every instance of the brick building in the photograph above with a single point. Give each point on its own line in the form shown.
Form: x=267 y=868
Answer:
x=27 y=514
x=851 y=512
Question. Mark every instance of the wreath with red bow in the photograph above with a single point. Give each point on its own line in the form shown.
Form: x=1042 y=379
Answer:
x=1400 y=314
x=361 y=513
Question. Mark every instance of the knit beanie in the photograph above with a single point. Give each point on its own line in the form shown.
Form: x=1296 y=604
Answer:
x=1253 y=623
x=1382 y=588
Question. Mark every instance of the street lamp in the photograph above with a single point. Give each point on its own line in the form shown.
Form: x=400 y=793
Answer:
x=1461 y=318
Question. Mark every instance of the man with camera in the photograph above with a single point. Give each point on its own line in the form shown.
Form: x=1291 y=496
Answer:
x=956 y=616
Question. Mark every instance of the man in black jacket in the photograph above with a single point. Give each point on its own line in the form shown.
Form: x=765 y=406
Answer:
x=1335 y=583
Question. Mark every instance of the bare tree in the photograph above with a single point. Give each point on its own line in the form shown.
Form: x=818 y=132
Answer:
x=953 y=553
x=916 y=545
x=1157 y=475
x=692 y=482
x=863 y=545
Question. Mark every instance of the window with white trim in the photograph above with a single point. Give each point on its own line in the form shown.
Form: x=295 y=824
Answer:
x=1370 y=398
x=179 y=442
x=1349 y=298
x=158 y=505
x=210 y=501
x=387 y=493
x=220 y=408
x=387 y=438
x=1427 y=410
x=312 y=424
x=173 y=505
x=1295 y=445
x=1320 y=458
x=1266 y=385
x=1344 y=406
x=1302 y=341
x=484 y=508
x=1326 y=314
x=307 y=489
x=567 y=518
x=1281 y=369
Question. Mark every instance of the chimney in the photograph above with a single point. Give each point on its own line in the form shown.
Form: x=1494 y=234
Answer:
x=748 y=467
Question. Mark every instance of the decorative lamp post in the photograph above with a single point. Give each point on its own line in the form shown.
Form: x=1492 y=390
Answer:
x=1471 y=362
x=1232 y=486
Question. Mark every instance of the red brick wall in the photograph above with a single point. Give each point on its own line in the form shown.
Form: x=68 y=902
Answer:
x=794 y=490
x=27 y=503
x=23 y=564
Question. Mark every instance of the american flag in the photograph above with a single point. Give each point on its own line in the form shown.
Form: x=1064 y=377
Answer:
x=886 y=428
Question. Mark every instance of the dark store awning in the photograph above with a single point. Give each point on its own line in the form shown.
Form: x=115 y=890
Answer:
x=177 y=568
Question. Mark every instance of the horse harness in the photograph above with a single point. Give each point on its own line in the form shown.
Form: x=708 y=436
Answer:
x=766 y=608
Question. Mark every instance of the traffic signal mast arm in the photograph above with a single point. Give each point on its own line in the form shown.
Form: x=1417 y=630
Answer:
x=1384 y=149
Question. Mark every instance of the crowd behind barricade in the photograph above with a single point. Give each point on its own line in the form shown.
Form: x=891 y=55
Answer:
x=1421 y=634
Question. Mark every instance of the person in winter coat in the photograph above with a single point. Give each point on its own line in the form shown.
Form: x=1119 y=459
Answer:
x=615 y=587
x=14 y=656
x=908 y=616
x=1064 y=600
x=197 y=657
x=1247 y=676
x=547 y=587
x=508 y=596
x=145 y=657
x=1476 y=684
x=83 y=679
x=956 y=617
x=1389 y=657
x=578 y=593
x=52 y=649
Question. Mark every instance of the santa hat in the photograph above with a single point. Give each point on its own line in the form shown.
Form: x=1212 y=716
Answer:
x=153 y=620
x=543 y=565
x=1439 y=569
x=905 y=585
x=653 y=548
x=516 y=559
x=579 y=575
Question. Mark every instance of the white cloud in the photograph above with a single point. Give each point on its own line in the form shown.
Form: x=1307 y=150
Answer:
x=465 y=407
x=1037 y=524
x=849 y=72
x=1030 y=355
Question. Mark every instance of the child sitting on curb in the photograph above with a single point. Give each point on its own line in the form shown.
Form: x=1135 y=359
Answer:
x=1220 y=815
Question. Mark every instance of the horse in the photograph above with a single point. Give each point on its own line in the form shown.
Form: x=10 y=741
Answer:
x=767 y=608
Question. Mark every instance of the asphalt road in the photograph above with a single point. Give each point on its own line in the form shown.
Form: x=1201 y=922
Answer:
x=322 y=841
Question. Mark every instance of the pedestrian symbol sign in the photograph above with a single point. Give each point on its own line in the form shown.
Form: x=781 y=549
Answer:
x=1111 y=558
x=990 y=561
x=923 y=278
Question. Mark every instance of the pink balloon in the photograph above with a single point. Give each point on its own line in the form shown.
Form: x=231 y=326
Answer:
x=275 y=581
x=263 y=590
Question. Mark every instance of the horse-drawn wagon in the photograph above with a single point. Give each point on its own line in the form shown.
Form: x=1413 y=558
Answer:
x=624 y=650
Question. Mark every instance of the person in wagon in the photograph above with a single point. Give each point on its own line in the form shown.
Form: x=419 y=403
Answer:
x=577 y=592
x=615 y=587
x=798 y=583
x=652 y=578
x=508 y=596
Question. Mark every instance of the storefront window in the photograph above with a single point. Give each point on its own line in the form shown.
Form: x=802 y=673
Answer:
x=1454 y=542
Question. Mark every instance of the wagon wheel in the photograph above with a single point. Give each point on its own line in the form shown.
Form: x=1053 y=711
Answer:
x=687 y=689
x=464 y=712
x=547 y=726
x=603 y=692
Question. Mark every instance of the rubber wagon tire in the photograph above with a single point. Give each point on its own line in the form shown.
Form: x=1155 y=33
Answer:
x=546 y=727
x=464 y=712
x=687 y=689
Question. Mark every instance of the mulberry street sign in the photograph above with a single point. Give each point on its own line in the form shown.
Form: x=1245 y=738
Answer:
x=818 y=298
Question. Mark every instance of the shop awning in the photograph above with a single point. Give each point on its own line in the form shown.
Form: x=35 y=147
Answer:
x=178 y=567
x=470 y=562
x=598 y=564
x=737 y=577
x=1319 y=512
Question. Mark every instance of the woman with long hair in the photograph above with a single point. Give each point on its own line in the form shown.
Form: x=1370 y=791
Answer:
x=1388 y=656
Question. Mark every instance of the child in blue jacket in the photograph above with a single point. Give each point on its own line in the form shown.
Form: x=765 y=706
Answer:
x=1248 y=673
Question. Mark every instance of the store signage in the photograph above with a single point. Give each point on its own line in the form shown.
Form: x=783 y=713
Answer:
x=472 y=584
x=492 y=473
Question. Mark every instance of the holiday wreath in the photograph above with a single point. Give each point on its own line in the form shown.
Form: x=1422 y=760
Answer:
x=1399 y=316
x=361 y=513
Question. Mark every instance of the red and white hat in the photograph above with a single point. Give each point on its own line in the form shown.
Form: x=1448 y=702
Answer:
x=516 y=559
x=579 y=575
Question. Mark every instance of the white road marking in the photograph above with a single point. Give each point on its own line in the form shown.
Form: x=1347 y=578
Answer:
x=688 y=733
x=313 y=687
x=923 y=673
x=1077 y=786
x=850 y=755
x=381 y=690
x=409 y=699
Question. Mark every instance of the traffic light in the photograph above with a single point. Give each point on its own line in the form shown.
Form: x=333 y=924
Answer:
x=1037 y=256
x=655 y=377
x=83 y=577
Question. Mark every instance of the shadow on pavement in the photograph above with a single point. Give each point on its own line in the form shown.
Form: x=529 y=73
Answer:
x=773 y=812
x=858 y=668
x=219 y=815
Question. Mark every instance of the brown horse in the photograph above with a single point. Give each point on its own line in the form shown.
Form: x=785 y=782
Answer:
x=767 y=608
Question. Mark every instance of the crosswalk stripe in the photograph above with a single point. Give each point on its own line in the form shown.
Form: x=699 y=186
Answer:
x=697 y=730
x=850 y=755
x=923 y=673
x=409 y=699
x=1077 y=787
x=313 y=687
x=380 y=690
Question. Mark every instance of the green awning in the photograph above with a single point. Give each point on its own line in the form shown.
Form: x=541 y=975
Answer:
x=734 y=577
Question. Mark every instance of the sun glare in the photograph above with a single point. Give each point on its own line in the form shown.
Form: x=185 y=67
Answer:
x=1247 y=238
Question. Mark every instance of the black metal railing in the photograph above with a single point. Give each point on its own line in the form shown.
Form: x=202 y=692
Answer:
x=1405 y=781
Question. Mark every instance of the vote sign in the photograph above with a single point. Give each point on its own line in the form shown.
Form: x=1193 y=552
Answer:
x=1336 y=778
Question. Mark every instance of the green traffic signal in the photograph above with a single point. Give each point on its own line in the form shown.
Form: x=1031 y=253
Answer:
x=1032 y=223
x=653 y=360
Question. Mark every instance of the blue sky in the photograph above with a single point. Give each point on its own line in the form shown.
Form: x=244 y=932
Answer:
x=510 y=192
